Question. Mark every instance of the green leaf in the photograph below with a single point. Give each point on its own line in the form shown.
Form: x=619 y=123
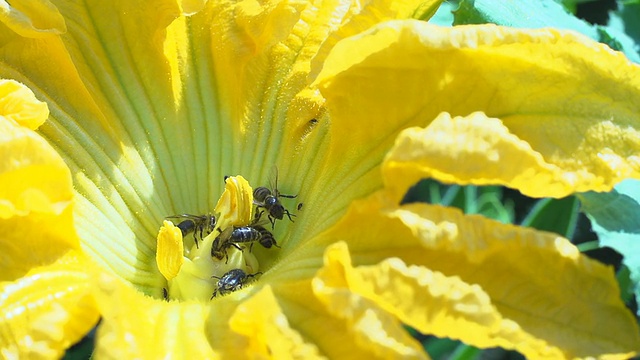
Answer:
x=626 y=20
x=465 y=352
x=571 y=5
x=520 y=14
x=467 y=13
x=444 y=14
x=615 y=217
x=492 y=204
x=485 y=200
x=626 y=285
x=538 y=14
x=80 y=351
x=606 y=38
x=557 y=215
x=440 y=348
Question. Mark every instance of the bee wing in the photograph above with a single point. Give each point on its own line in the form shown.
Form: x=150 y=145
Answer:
x=259 y=222
x=273 y=179
x=273 y=182
x=225 y=235
x=185 y=216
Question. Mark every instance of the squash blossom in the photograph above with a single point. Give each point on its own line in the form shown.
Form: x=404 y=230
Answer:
x=118 y=118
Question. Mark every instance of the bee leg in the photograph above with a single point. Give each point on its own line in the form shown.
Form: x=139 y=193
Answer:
x=289 y=215
x=288 y=196
x=197 y=247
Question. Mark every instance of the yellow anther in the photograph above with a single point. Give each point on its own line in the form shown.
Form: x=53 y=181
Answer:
x=170 y=251
x=236 y=203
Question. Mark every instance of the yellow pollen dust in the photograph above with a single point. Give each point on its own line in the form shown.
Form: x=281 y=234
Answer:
x=193 y=274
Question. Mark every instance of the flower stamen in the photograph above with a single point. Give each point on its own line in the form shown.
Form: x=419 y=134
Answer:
x=218 y=264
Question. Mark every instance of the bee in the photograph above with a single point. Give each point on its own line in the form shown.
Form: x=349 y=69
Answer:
x=236 y=235
x=251 y=234
x=221 y=244
x=231 y=281
x=198 y=224
x=268 y=199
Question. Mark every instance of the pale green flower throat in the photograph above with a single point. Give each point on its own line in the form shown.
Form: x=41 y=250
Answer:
x=210 y=255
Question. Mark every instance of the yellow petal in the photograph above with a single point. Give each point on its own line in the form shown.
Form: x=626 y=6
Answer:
x=32 y=174
x=35 y=202
x=236 y=203
x=373 y=325
x=512 y=269
x=328 y=329
x=190 y=7
x=307 y=122
x=533 y=80
x=35 y=240
x=32 y=19
x=251 y=35
x=170 y=251
x=46 y=304
x=47 y=310
x=18 y=103
x=266 y=23
x=359 y=17
x=268 y=332
x=429 y=301
x=473 y=149
x=103 y=108
x=293 y=131
x=137 y=326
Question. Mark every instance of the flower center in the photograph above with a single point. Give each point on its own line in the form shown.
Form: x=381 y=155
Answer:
x=205 y=256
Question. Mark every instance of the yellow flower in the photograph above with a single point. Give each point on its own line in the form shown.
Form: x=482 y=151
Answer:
x=153 y=103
